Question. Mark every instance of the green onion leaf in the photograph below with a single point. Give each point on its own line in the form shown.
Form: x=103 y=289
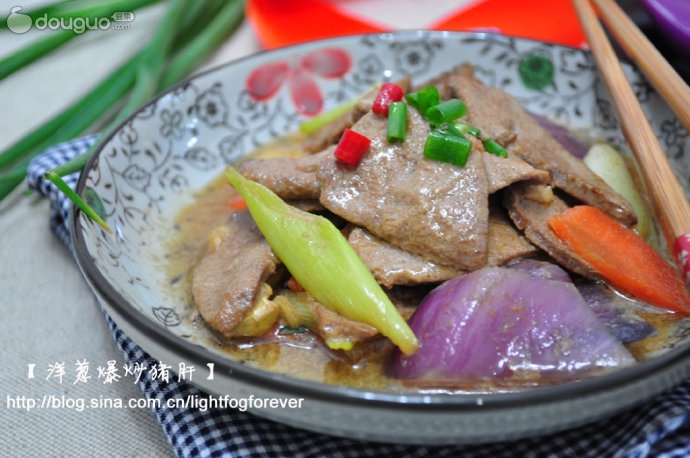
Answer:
x=77 y=200
x=397 y=122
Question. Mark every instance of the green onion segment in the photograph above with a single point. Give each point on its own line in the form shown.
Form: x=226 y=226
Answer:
x=397 y=122
x=446 y=111
x=447 y=147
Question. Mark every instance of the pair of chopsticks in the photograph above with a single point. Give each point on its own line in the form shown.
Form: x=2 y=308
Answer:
x=668 y=199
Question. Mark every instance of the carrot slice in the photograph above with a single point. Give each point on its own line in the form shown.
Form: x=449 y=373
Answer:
x=237 y=203
x=621 y=257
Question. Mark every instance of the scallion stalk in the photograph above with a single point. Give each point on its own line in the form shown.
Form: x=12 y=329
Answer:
x=190 y=39
x=208 y=39
x=312 y=125
x=146 y=85
x=34 y=51
x=227 y=19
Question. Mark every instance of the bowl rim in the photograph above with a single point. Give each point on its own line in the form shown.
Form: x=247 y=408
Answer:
x=656 y=366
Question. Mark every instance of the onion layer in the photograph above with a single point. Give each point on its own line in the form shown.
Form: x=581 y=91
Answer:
x=499 y=322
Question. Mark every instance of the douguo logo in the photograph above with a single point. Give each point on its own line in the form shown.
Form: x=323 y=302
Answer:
x=18 y=22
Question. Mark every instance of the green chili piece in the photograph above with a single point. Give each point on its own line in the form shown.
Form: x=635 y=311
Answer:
x=397 y=122
x=446 y=111
x=447 y=147
x=492 y=146
x=322 y=261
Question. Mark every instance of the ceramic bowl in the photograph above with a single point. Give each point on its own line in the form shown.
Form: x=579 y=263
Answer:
x=151 y=166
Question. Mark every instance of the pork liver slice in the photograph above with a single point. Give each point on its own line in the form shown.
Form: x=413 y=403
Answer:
x=500 y=116
x=436 y=210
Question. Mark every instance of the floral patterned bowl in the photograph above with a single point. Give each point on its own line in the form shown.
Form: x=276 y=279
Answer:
x=150 y=167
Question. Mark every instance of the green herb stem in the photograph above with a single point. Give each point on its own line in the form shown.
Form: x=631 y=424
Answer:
x=467 y=129
x=68 y=10
x=424 y=99
x=11 y=180
x=148 y=72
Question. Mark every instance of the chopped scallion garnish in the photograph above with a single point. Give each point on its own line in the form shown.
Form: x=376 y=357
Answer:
x=397 y=122
x=468 y=130
x=446 y=111
x=491 y=146
x=447 y=147
x=424 y=99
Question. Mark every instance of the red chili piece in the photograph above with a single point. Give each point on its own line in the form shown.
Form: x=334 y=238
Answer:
x=388 y=93
x=351 y=147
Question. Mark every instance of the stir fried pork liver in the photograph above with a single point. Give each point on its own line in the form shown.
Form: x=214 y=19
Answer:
x=529 y=206
x=500 y=116
x=289 y=178
x=392 y=266
x=416 y=220
x=227 y=281
x=432 y=209
x=504 y=171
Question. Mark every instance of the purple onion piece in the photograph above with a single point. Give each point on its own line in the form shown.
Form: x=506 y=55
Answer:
x=540 y=269
x=495 y=322
x=616 y=313
x=573 y=144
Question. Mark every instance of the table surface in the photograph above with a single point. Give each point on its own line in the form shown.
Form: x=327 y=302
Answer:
x=50 y=320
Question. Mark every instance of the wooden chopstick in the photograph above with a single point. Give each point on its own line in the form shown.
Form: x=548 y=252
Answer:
x=658 y=71
x=668 y=199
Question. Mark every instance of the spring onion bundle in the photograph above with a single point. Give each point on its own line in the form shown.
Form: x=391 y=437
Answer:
x=188 y=32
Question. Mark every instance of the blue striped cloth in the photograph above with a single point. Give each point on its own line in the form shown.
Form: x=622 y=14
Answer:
x=659 y=428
